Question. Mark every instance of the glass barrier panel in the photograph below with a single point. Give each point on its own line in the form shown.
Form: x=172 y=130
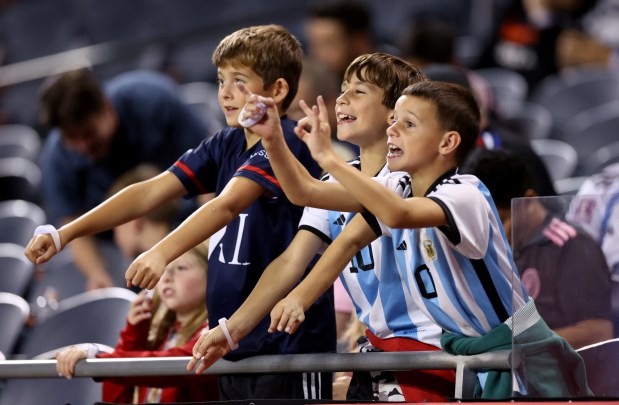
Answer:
x=566 y=275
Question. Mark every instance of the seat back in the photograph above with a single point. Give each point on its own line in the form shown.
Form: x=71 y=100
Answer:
x=602 y=363
x=530 y=120
x=18 y=220
x=20 y=179
x=15 y=269
x=565 y=96
x=509 y=88
x=14 y=312
x=560 y=158
x=92 y=316
x=18 y=140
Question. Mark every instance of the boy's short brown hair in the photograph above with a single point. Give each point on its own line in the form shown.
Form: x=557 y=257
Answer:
x=71 y=99
x=456 y=110
x=269 y=50
x=388 y=72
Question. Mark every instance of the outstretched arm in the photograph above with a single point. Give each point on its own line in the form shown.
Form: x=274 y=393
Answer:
x=132 y=202
x=290 y=312
x=298 y=184
x=276 y=280
x=240 y=193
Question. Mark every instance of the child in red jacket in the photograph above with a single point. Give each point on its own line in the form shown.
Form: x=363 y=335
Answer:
x=167 y=325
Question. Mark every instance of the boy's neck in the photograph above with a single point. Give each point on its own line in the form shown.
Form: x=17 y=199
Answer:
x=373 y=158
x=251 y=138
x=423 y=179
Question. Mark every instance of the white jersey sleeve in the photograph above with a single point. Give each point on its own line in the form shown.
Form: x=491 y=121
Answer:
x=469 y=215
x=316 y=221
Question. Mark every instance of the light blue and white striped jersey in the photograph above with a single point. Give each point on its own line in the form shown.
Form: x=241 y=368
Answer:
x=371 y=279
x=461 y=275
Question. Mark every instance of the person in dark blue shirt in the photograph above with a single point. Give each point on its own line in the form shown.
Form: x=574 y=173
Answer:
x=249 y=221
x=99 y=132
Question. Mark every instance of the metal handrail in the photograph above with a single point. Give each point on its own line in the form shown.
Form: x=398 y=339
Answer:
x=323 y=362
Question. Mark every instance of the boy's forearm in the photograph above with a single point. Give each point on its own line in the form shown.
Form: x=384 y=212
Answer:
x=292 y=175
x=276 y=281
x=126 y=205
x=373 y=196
x=356 y=235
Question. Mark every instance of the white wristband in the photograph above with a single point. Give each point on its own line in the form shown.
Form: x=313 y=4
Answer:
x=92 y=351
x=49 y=229
x=224 y=328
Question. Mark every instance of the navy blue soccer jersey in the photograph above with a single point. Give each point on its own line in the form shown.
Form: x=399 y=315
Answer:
x=239 y=253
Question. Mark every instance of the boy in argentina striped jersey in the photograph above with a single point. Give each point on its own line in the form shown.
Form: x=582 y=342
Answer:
x=449 y=245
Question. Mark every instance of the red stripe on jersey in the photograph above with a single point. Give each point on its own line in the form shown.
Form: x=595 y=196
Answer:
x=192 y=176
x=262 y=173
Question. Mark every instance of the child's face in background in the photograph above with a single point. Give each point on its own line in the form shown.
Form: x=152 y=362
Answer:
x=126 y=238
x=414 y=136
x=231 y=99
x=182 y=287
x=362 y=119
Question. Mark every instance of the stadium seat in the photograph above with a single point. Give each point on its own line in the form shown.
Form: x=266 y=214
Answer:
x=602 y=363
x=509 y=88
x=529 y=119
x=18 y=140
x=20 y=179
x=16 y=270
x=566 y=95
x=18 y=220
x=559 y=157
x=93 y=316
x=592 y=130
x=14 y=312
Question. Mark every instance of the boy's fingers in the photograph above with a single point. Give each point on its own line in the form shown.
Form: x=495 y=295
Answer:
x=306 y=109
x=283 y=321
x=322 y=110
x=192 y=363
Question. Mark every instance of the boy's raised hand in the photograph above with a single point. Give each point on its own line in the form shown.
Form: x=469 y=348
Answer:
x=210 y=347
x=287 y=315
x=262 y=110
x=146 y=270
x=315 y=131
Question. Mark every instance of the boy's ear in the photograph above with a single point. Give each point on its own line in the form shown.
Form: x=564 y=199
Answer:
x=450 y=142
x=390 y=116
x=280 y=90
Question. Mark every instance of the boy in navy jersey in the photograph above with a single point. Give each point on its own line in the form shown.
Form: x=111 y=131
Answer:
x=249 y=221
x=372 y=84
x=450 y=248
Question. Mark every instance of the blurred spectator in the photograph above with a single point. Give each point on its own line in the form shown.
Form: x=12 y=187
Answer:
x=562 y=267
x=526 y=37
x=338 y=32
x=596 y=210
x=99 y=133
x=492 y=135
x=429 y=41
